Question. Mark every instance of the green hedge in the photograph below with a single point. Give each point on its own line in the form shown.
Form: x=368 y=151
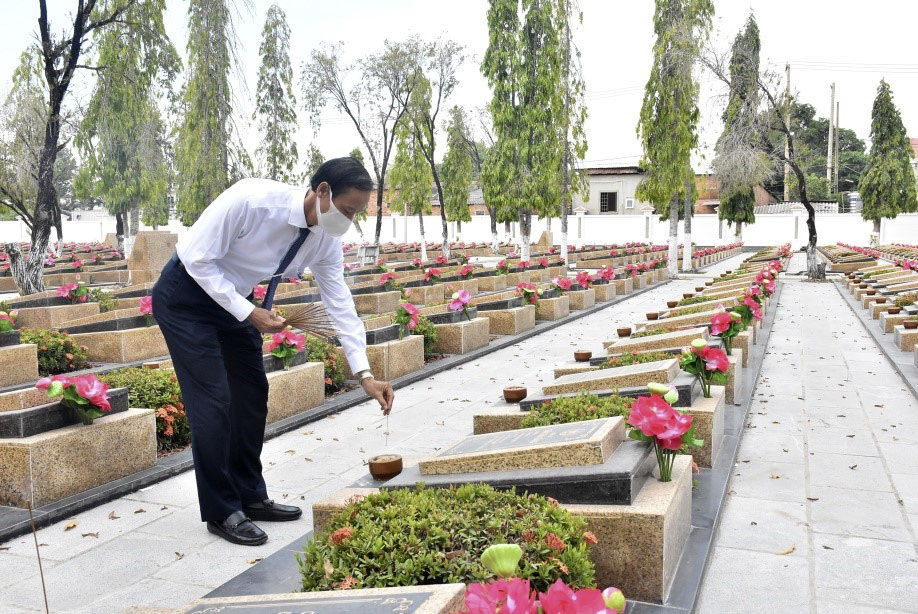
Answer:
x=57 y=352
x=156 y=389
x=577 y=409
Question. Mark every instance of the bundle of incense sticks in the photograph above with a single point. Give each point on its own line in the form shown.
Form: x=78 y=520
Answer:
x=311 y=319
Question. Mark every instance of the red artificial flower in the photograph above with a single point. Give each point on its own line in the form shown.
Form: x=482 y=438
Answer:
x=260 y=292
x=656 y=418
x=146 y=305
x=91 y=388
x=512 y=596
x=386 y=278
x=584 y=279
x=607 y=273
x=522 y=265
x=563 y=282
x=441 y=259
x=287 y=337
x=715 y=359
x=720 y=323
x=465 y=271
x=429 y=273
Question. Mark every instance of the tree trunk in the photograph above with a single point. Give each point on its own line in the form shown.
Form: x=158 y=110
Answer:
x=135 y=219
x=739 y=231
x=379 y=211
x=443 y=221
x=687 y=254
x=423 y=240
x=673 y=253
x=119 y=230
x=28 y=281
x=525 y=228
x=492 y=214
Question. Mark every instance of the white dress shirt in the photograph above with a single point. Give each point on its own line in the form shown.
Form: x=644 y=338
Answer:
x=240 y=239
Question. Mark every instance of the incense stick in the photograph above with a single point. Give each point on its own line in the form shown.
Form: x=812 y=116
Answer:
x=41 y=572
x=311 y=319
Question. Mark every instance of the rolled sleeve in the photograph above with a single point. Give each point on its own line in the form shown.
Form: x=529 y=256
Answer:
x=339 y=304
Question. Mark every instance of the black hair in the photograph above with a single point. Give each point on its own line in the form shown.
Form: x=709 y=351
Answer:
x=342 y=174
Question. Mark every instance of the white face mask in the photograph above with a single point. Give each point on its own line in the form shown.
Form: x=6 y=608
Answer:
x=333 y=221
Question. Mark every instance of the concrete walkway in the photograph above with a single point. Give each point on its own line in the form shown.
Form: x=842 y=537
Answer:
x=822 y=511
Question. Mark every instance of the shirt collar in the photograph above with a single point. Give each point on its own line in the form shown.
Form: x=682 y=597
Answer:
x=297 y=210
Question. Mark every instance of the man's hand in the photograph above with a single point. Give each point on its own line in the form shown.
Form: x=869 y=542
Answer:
x=267 y=321
x=382 y=392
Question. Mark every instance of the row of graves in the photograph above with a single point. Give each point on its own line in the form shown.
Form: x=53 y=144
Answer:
x=885 y=286
x=605 y=484
x=89 y=405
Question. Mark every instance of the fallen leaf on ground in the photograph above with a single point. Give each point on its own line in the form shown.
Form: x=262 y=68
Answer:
x=140 y=510
x=290 y=452
x=253 y=561
x=70 y=525
x=113 y=516
x=91 y=534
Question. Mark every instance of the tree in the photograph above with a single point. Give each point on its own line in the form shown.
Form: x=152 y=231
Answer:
x=888 y=185
x=411 y=178
x=207 y=159
x=375 y=100
x=275 y=105
x=458 y=168
x=121 y=135
x=739 y=164
x=314 y=160
x=669 y=113
x=357 y=155
x=480 y=151
x=60 y=58
x=574 y=114
x=522 y=64
x=768 y=132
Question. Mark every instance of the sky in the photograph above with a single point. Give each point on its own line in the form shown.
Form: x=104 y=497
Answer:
x=851 y=44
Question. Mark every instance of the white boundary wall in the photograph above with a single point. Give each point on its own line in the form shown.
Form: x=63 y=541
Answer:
x=774 y=229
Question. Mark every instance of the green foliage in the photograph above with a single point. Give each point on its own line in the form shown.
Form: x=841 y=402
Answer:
x=57 y=352
x=206 y=160
x=669 y=114
x=697 y=299
x=573 y=110
x=635 y=359
x=576 y=409
x=650 y=332
x=522 y=64
x=888 y=185
x=275 y=105
x=122 y=136
x=420 y=536
x=458 y=168
x=426 y=328
x=107 y=302
x=410 y=177
x=357 y=154
x=156 y=389
x=319 y=350
x=907 y=299
x=691 y=310
x=314 y=160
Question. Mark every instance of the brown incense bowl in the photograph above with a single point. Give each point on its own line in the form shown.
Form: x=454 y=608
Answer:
x=688 y=295
x=514 y=394
x=699 y=289
x=893 y=310
x=870 y=292
x=583 y=355
x=862 y=286
x=385 y=466
x=910 y=324
x=881 y=300
x=672 y=304
x=624 y=332
x=653 y=315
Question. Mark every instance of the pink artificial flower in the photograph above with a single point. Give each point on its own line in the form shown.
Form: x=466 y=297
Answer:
x=607 y=273
x=720 y=323
x=442 y=260
x=431 y=273
x=65 y=290
x=260 y=292
x=91 y=388
x=656 y=418
x=287 y=337
x=562 y=282
x=501 y=596
x=543 y=262
x=76 y=264
x=412 y=312
x=460 y=300
x=584 y=280
x=386 y=278
x=416 y=262
x=146 y=305
x=465 y=271
x=715 y=359
x=754 y=307
x=522 y=265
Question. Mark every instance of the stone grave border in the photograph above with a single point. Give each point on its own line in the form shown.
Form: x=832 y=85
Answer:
x=902 y=362
x=15 y=521
x=278 y=572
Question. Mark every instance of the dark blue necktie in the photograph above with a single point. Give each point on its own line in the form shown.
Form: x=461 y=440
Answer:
x=284 y=263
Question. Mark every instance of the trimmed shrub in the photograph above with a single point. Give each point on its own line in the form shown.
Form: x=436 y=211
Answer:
x=907 y=299
x=577 y=409
x=57 y=352
x=650 y=332
x=319 y=350
x=692 y=300
x=156 y=389
x=636 y=359
x=429 y=330
x=106 y=301
x=411 y=537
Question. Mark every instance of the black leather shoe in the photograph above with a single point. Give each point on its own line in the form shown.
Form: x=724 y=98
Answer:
x=270 y=511
x=238 y=529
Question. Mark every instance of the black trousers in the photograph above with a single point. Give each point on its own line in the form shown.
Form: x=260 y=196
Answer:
x=219 y=366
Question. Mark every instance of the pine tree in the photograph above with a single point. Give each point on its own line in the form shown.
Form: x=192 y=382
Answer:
x=522 y=175
x=410 y=178
x=122 y=135
x=887 y=186
x=275 y=105
x=669 y=113
x=206 y=157
x=458 y=168
x=737 y=194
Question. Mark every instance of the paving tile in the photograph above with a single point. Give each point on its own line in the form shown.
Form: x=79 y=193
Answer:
x=841 y=441
x=763 y=525
x=859 y=513
x=779 y=584
x=768 y=480
x=848 y=471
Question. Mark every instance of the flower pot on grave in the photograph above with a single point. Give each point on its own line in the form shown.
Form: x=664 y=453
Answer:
x=910 y=324
x=672 y=304
x=870 y=292
x=583 y=355
x=881 y=300
x=385 y=466
x=862 y=286
x=893 y=310
x=709 y=283
x=699 y=289
x=624 y=332
x=688 y=295
x=653 y=315
x=514 y=394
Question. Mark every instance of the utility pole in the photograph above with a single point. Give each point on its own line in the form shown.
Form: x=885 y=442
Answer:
x=787 y=98
x=837 y=141
x=830 y=164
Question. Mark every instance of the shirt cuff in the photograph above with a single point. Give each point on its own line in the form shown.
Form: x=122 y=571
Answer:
x=240 y=308
x=358 y=362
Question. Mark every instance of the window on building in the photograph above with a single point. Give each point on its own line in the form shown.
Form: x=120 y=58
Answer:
x=629 y=203
x=608 y=202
